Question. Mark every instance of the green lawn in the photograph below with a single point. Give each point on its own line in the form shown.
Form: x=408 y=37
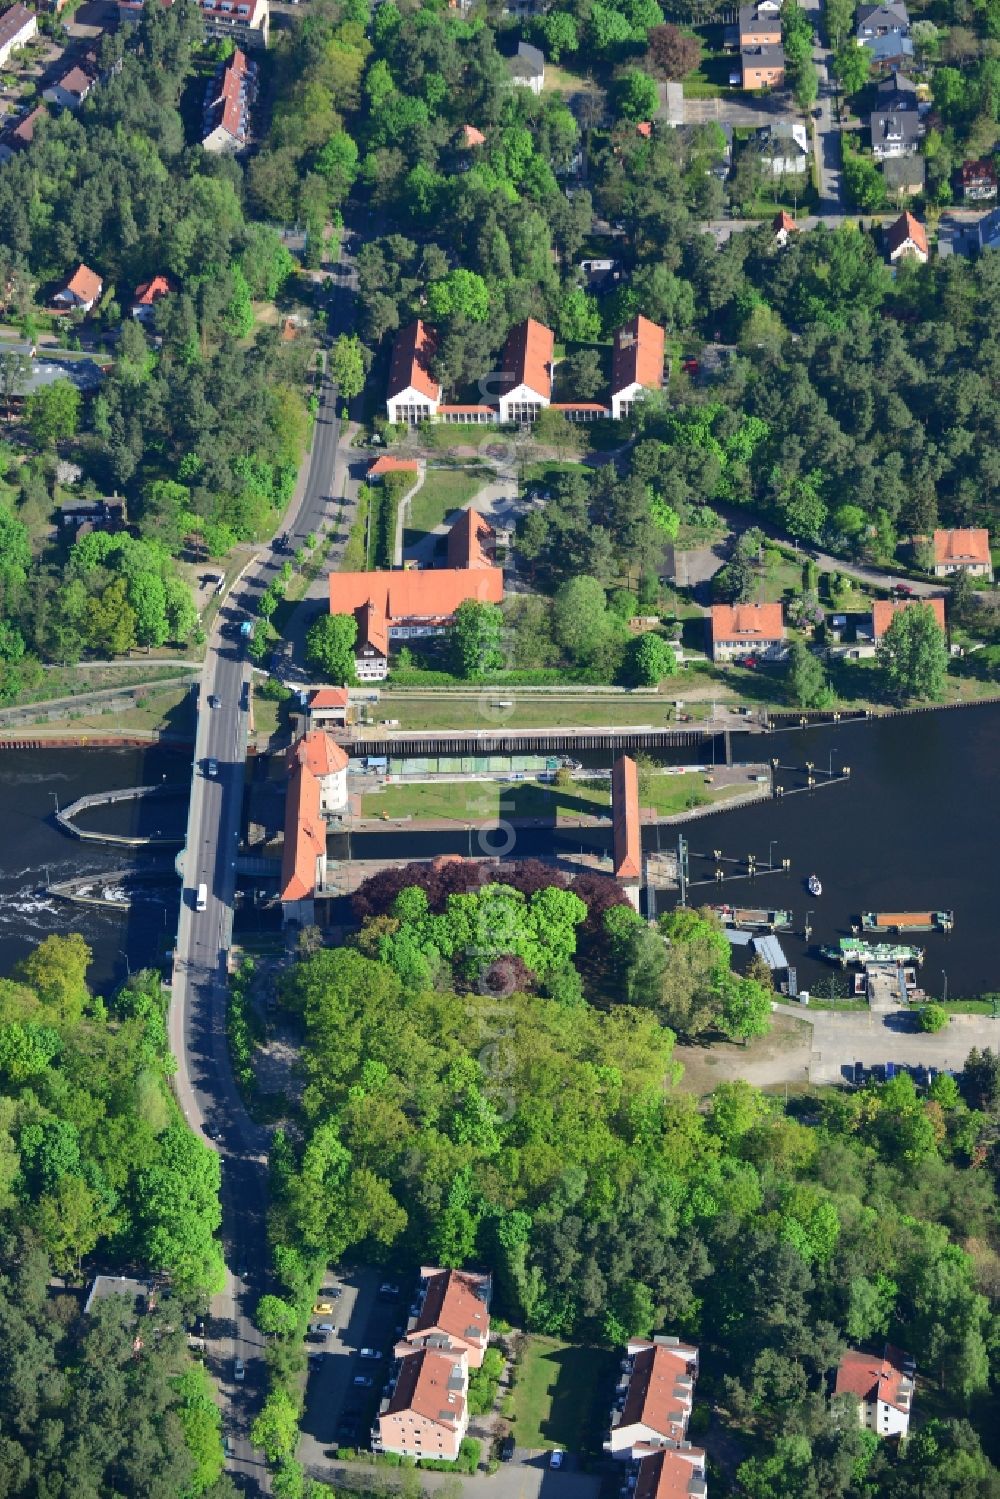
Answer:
x=486 y=801
x=448 y=710
x=560 y=1395
x=443 y=490
x=711 y=79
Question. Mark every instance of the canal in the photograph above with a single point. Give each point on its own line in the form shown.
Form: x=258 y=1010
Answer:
x=917 y=827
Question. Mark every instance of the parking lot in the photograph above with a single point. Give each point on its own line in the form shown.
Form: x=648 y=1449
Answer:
x=338 y=1412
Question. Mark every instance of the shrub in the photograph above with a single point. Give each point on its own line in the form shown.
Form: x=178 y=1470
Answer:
x=932 y=1018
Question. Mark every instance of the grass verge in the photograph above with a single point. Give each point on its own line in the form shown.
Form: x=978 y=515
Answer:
x=484 y=801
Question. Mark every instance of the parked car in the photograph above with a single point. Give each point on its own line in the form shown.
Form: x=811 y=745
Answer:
x=370 y=1353
x=227 y=1446
x=507 y=1449
x=904 y=589
x=363 y=1381
x=213 y=701
x=556 y=1458
x=239 y=1371
x=323 y=1308
x=388 y=1292
x=198 y=1330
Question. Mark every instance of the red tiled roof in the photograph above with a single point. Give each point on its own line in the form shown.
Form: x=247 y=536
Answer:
x=871 y=1378
x=25 y=132
x=464 y=410
x=76 y=81
x=527 y=357
x=329 y=697
x=316 y=755
x=472 y=137
x=907 y=227
x=577 y=406
x=411 y=355
x=653 y=1397
x=422 y=1387
x=638 y=355
x=419 y=593
x=84 y=283
x=452 y=1306
x=748 y=622
x=466 y=541
x=667 y=1474
x=784 y=221
x=233 y=102
x=387 y=465
x=627 y=836
x=644 y=128
x=962 y=546
x=884 y=609
x=373 y=625
x=148 y=292
x=319 y=754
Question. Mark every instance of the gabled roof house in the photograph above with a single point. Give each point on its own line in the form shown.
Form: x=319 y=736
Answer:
x=654 y=1398
x=963 y=551
x=413 y=394
x=636 y=363
x=526 y=371
x=452 y=1315
x=883 y=1386
x=740 y=630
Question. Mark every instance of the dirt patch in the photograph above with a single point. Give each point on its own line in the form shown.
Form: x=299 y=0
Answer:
x=780 y=1057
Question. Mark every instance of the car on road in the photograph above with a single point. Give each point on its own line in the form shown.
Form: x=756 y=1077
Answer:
x=227 y=1446
x=363 y=1381
x=369 y=1353
x=323 y=1308
x=903 y=589
x=507 y=1449
x=556 y=1458
x=239 y=1371
x=387 y=1291
x=213 y=700
x=198 y=1328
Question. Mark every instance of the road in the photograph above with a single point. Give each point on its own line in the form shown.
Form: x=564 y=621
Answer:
x=204 y=1083
x=827 y=142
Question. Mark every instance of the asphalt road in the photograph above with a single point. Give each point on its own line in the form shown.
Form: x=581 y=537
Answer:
x=204 y=1083
x=826 y=138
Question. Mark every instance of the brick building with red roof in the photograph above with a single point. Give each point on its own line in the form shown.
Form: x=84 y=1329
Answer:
x=654 y=1397
x=317 y=790
x=672 y=1473
x=526 y=372
x=427 y=1411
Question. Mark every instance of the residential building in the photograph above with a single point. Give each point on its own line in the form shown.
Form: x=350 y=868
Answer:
x=895 y=125
x=979 y=181
x=20 y=136
x=905 y=176
x=247 y=22
x=896 y=91
x=988 y=231
x=426 y=1412
x=762 y=67
x=229 y=99
x=471 y=137
x=600 y=276
x=760 y=25
x=883 y=1386
x=17 y=27
x=84 y=516
x=907 y=236
x=783 y=225
x=69 y=91
x=654 y=1397
x=413 y=394
x=671 y=1473
x=317 y=790
x=451 y=1314
x=963 y=551
x=326 y=707
x=81 y=290
x=526 y=372
x=471 y=541
x=740 y=630
x=527 y=69
x=885 y=610
x=636 y=364
x=147 y=294
x=885 y=31
x=783 y=147
x=406 y=605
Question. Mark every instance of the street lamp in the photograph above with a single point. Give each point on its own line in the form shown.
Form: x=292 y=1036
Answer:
x=945 y=977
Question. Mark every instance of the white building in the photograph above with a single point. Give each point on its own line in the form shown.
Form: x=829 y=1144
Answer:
x=17 y=26
x=526 y=372
x=636 y=364
x=654 y=1397
x=883 y=1386
x=413 y=395
x=527 y=69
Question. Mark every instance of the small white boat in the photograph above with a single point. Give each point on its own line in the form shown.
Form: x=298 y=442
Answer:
x=813 y=885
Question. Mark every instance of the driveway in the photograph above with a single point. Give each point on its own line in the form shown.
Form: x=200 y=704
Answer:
x=497 y=502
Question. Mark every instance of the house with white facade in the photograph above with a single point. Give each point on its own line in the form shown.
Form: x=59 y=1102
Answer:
x=738 y=631
x=527 y=68
x=671 y=1473
x=636 y=364
x=654 y=1397
x=425 y=1412
x=316 y=792
x=17 y=27
x=229 y=100
x=783 y=148
x=963 y=551
x=883 y=1386
x=413 y=395
x=907 y=236
x=69 y=91
x=81 y=290
x=526 y=372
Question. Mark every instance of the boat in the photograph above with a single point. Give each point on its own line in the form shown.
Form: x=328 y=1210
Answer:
x=907 y=921
x=853 y=950
x=754 y=918
x=813 y=885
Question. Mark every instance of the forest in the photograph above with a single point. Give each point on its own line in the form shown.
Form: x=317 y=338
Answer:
x=99 y=1174
x=450 y=1115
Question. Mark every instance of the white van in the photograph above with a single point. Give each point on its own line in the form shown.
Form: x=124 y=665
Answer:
x=201 y=898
